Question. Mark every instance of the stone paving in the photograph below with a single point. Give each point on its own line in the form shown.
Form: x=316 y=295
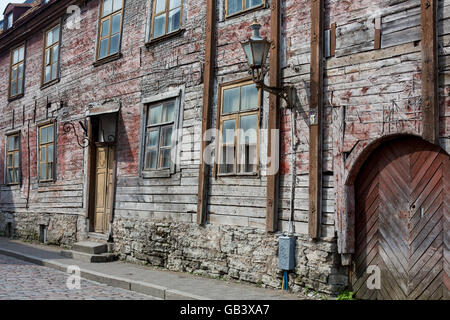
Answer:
x=20 y=280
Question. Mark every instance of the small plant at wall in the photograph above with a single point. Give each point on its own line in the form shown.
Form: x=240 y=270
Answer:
x=306 y=290
x=346 y=295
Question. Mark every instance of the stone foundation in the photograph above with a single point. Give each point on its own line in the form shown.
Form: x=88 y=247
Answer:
x=61 y=228
x=228 y=252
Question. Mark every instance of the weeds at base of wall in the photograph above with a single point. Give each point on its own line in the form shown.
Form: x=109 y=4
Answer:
x=346 y=295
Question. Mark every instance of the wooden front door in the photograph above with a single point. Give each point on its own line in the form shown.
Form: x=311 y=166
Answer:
x=104 y=187
x=402 y=222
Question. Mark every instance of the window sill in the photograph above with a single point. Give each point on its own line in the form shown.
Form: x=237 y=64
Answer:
x=49 y=84
x=164 y=37
x=244 y=12
x=238 y=175
x=15 y=97
x=45 y=184
x=10 y=187
x=164 y=173
x=108 y=59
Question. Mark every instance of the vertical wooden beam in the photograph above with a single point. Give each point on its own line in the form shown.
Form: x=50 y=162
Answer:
x=428 y=13
x=333 y=39
x=208 y=91
x=315 y=119
x=377 y=40
x=273 y=117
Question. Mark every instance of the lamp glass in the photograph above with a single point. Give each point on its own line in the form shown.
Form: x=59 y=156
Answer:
x=258 y=52
x=248 y=52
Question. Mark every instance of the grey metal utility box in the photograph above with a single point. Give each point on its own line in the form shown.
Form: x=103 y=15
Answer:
x=286 y=253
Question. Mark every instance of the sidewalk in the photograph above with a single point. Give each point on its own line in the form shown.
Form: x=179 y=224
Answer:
x=166 y=285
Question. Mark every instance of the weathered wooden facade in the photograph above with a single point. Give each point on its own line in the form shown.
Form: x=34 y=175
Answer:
x=82 y=81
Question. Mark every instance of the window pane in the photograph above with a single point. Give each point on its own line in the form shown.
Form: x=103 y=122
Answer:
x=103 y=48
x=227 y=159
x=252 y=3
x=248 y=129
x=105 y=28
x=117 y=5
x=16 y=176
x=230 y=100
x=152 y=138
x=19 y=86
x=50 y=134
x=155 y=115
x=166 y=137
x=43 y=156
x=55 y=34
x=50 y=154
x=228 y=131
x=16 y=159
x=160 y=6
x=234 y=6
x=49 y=38
x=165 y=158
x=249 y=97
x=16 y=142
x=116 y=23
x=54 y=70
x=150 y=159
x=174 y=20
x=43 y=137
x=14 y=73
x=9 y=160
x=247 y=144
x=15 y=56
x=20 y=71
x=159 y=26
x=47 y=56
x=55 y=53
x=14 y=88
x=107 y=7
x=49 y=171
x=174 y=4
x=42 y=172
x=10 y=176
x=114 y=44
x=21 y=53
x=10 y=143
x=47 y=73
x=168 y=112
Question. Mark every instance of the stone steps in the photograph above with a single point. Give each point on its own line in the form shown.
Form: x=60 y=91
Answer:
x=90 y=247
x=88 y=257
x=90 y=251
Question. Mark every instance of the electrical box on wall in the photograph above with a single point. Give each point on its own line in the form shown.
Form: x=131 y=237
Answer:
x=286 y=253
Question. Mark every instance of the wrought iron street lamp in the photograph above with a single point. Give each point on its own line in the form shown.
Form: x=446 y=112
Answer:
x=256 y=50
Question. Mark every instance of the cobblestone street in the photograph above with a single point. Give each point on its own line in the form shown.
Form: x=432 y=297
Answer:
x=20 y=280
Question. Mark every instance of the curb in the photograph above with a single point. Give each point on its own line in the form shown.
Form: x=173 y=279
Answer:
x=153 y=290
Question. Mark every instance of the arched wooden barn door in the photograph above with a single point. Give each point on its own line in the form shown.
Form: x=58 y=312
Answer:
x=402 y=222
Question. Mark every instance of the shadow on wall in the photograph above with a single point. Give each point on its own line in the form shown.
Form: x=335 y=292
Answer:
x=8 y=222
x=7 y=209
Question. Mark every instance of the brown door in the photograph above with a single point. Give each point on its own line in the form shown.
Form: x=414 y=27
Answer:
x=402 y=222
x=104 y=187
